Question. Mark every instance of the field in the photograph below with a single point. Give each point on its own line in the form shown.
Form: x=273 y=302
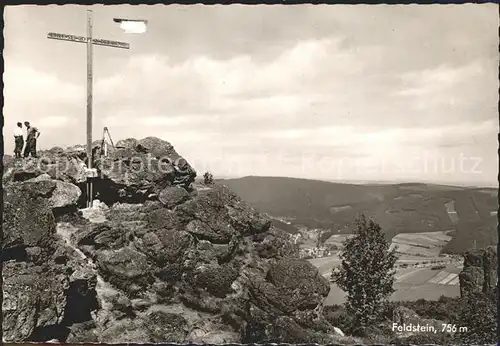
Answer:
x=426 y=244
x=411 y=283
x=414 y=277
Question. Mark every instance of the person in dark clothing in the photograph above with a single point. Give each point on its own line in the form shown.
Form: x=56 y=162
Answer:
x=19 y=141
x=31 y=138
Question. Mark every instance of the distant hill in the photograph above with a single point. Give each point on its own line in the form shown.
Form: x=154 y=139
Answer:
x=398 y=208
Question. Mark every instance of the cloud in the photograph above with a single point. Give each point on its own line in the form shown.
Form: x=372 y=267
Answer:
x=55 y=122
x=54 y=106
x=148 y=119
x=271 y=83
x=22 y=80
x=432 y=80
x=440 y=85
x=205 y=84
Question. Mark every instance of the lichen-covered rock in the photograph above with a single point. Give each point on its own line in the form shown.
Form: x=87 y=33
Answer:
x=59 y=164
x=300 y=282
x=28 y=219
x=136 y=170
x=215 y=279
x=126 y=268
x=173 y=196
x=471 y=280
x=168 y=249
x=65 y=195
x=479 y=272
x=275 y=244
x=20 y=169
x=163 y=326
x=30 y=302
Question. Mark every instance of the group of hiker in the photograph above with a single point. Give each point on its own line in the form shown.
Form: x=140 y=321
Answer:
x=32 y=135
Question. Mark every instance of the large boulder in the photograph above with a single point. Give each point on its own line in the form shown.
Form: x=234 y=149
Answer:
x=173 y=196
x=65 y=195
x=28 y=219
x=137 y=170
x=286 y=304
x=289 y=286
x=125 y=268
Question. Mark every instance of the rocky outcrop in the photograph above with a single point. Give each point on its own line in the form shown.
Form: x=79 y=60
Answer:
x=133 y=171
x=42 y=284
x=28 y=211
x=138 y=170
x=67 y=166
x=479 y=272
x=190 y=266
x=405 y=317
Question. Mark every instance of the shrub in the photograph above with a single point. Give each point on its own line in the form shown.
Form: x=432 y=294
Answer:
x=479 y=314
x=337 y=315
x=444 y=309
x=208 y=178
x=438 y=267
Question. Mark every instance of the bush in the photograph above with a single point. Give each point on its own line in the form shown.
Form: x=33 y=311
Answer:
x=444 y=309
x=208 y=178
x=479 y=314
x=438 y=267
x=337 y=315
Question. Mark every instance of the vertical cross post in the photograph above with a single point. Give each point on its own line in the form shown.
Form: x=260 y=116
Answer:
x=89 y=104
x=90 y=41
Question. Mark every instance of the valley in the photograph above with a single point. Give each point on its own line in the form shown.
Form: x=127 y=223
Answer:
x=430 y=224
x=468 y=212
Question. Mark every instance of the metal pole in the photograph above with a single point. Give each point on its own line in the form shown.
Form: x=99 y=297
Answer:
x=89 y=102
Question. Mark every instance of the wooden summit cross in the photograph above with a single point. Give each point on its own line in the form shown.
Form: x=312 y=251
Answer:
x=90 y=42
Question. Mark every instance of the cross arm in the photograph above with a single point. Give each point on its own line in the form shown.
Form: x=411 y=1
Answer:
x=83 y=39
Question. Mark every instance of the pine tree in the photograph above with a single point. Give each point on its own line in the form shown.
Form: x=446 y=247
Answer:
x=366 y=272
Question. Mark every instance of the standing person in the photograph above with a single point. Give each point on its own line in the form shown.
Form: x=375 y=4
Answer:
x=31 y=138
x=18 y=139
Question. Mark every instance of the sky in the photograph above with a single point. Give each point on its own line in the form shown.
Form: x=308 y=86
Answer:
x=340 y=93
